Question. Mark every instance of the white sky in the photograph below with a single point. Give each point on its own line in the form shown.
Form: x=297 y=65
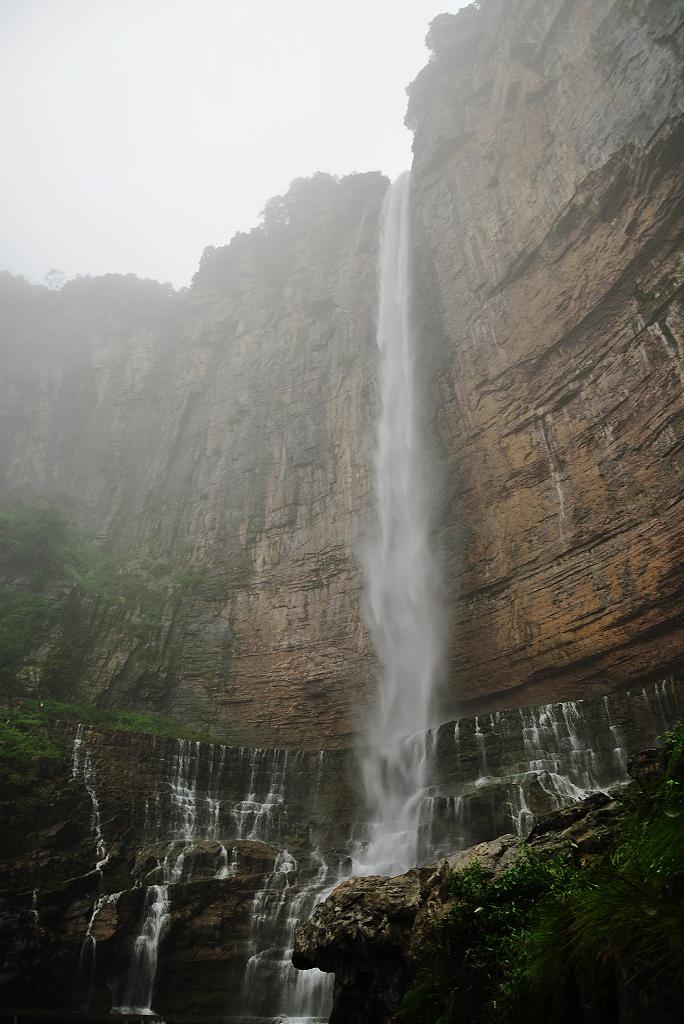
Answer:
x=135 y=132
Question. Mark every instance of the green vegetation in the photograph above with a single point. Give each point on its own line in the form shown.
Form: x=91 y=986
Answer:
x=57 y=587
x=30 y=736
x=531 y=944
x=34 y=560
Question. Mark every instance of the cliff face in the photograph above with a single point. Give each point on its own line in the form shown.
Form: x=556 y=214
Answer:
x=244 y=841
x=547 y=199
x=228 y=431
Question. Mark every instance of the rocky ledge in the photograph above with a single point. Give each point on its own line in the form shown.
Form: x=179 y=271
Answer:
x=373 y=932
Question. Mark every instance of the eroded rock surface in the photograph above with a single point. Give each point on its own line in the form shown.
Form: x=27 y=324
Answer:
x=548 y=218
x=371 y=931
x=225 y=432
x=228 y=430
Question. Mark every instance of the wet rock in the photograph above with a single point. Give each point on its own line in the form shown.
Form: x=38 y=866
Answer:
x=237 y=420
x=362 y=933
x=371 y=931
x=551 y=322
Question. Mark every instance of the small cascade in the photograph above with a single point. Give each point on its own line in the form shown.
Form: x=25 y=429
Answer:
x=271 y=984
x=193 y=806
x=82 y=770
x=502 y=772
x=35 y=914
x=620 y=751
x=482 y=748
x=229 y=862
x=87 y=960
x=261 y=814
x=183 y=787
x=143 y=971
x=188 y=817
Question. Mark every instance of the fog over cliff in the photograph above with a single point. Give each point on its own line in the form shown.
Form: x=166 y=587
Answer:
x=141 y=132
x=342 y=590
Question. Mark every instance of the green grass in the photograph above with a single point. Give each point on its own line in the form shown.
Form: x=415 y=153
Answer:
x=514 y=948
x=30 y=737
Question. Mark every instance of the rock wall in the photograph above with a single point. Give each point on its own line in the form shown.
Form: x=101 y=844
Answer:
x=377 y=935
x=226 y=430
x=242 y=841
x=548 y=217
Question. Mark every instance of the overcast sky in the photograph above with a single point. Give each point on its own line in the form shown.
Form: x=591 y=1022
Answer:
x=135 y=132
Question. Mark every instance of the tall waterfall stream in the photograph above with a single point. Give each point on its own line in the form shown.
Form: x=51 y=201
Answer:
x=400 y=570
x=429 y=791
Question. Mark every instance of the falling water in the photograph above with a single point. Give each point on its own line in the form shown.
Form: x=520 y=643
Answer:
x=271 y=984
x=140 y=989
x=82 y=770
x=190 y=816
x=85 y=977
x=400 y=571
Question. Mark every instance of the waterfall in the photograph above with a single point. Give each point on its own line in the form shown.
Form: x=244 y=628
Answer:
x=140 y=988
x=189 y=807
x=401 y=606
x=267 y=825
x=85 y=978
x=271 y=984
x=190 y=816
x=82 y=770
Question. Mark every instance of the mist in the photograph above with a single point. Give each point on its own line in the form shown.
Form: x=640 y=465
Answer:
x=137 y=133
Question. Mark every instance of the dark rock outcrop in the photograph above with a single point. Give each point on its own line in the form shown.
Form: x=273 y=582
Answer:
x=214 y=823
x=371 y=932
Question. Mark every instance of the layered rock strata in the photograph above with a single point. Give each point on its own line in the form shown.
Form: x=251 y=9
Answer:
x=224 y=431
x=242 y=841
x=228 y=430
x=548 y=220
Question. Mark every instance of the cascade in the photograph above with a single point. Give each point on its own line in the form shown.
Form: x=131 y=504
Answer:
x=189 y=817
x=401 y=607
x=82 y=770
x=85 y=979
x=215 y=815
x=271 y=984
x=189 y=806
x=140 y=987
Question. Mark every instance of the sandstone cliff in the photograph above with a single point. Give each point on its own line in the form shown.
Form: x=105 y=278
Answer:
x=228 y=430
x=547 y=198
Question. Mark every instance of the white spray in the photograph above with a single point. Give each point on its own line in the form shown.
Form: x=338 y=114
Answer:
x=402 y=608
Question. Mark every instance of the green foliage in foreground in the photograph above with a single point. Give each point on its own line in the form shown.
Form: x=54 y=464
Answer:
x=529 y=945
x=29 y=736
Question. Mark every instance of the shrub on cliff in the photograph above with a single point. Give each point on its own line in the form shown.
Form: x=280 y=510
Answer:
x=31 y=735
x=57 y=587
x=548 y=938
